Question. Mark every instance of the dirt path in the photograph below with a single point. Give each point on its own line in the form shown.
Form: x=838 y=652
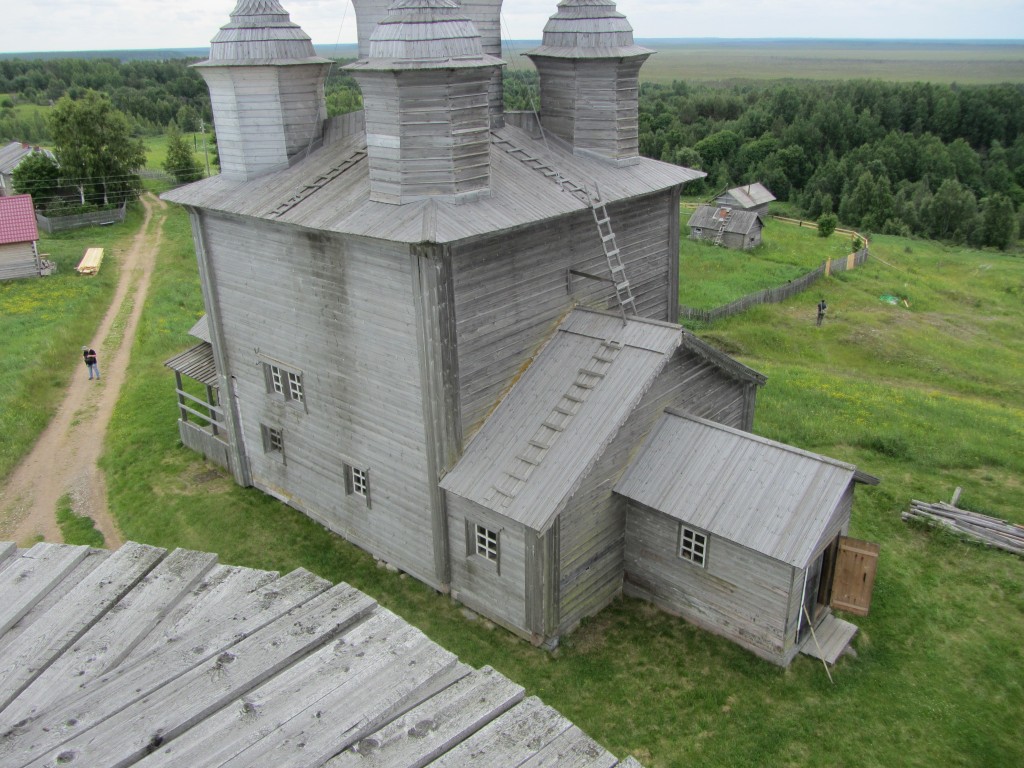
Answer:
x=64 y=460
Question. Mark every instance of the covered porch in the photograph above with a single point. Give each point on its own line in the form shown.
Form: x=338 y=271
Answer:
x=200 y=418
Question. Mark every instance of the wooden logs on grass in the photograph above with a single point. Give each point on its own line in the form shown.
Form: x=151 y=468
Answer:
x=990 y=531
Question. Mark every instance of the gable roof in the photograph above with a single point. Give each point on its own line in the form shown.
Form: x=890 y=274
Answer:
x=750 y=195
x=573 y=398
x=766 y=496
x=171 y=659
x=736 y=221
x=17 y=220
x=330 y=191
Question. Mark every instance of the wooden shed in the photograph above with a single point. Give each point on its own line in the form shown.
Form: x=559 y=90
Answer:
x=19 y=235
x=728 y=227
x=745 y=537
x=155 y=658
x=749 y=197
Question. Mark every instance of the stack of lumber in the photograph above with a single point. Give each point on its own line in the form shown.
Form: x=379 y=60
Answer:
x=91 y=262
x=991 y=531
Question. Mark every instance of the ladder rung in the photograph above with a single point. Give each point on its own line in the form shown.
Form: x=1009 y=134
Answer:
x=528 y=460
x=553 y=427
x=601 y=359
x=616 y=345
x=623 y=286
x=500 y=492
x=573 y=398
x=588 y=372
x=514 y=476
x=540 y=445
x=564 y=411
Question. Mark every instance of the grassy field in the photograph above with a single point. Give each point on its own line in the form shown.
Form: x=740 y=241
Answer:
x=716 y=60
x=926 y=397
x=43 y=325
x=710 y=276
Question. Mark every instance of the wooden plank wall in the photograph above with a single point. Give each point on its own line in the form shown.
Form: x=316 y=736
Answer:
x=740 y=594
x=593 y=525
x=511 y=290
x=341 y=312
x=498 y=593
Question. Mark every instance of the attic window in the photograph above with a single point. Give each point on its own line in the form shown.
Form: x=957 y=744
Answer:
x=693 y=546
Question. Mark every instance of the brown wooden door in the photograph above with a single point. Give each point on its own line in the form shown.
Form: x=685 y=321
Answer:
x=854 y=580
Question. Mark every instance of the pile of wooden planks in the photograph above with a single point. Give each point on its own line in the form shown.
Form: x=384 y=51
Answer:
x=991 y=531
x=90 y=263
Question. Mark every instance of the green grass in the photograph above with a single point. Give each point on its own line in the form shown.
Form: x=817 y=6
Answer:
x=927 y=397
x=44 y=323
x=76 y=529
x=899 y=61
x=711 y=276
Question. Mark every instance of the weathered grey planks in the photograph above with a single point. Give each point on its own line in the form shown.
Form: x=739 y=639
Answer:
x=29 y=578
x=282 y=676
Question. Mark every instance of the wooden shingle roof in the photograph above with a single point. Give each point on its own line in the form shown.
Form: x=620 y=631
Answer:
x=260 y=32
x=713 y=216
x=585 y=29
x=149 y=658
x=17 y=220
x=751 y=195
x=537 y=446
x=520 y=194
x=767 y=496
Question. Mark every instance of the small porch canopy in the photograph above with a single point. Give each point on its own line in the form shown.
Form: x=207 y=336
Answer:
x=206 y=431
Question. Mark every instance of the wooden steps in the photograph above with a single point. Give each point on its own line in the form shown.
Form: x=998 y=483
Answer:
x=833 y=635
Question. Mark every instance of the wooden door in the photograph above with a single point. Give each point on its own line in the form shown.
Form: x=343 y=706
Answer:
x=854 y=580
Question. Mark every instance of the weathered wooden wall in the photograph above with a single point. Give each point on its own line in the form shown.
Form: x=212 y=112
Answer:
x=497 y=591
x=740 y=594
x=341 y=312
x=18 y=260
x=512 y=289
x=592 y=527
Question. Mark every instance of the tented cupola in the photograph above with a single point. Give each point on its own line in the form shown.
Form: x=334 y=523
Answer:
x=589 y=70
x=266 y=88
x=485 y=14
x=425 y=96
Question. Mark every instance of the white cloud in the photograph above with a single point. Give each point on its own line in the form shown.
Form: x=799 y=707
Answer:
x=53 y=25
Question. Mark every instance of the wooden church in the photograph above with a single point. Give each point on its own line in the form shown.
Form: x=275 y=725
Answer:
x=447 y=332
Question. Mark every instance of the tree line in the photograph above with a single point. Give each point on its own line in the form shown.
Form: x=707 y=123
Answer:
x=938 y=161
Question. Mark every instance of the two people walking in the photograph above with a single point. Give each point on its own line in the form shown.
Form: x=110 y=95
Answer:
x=91 y=361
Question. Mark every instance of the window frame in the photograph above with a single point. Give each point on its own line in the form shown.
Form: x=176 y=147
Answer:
x=473 y=549
x=692 y=546
x=353 y=487
x=271 y=446
x=284 y=383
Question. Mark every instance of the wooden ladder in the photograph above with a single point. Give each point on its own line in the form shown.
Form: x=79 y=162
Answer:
x=551 y=428
x=318 y=183
x=720 y=235
x=623 y=290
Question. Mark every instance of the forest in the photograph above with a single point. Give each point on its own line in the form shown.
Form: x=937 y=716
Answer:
x=929 y=160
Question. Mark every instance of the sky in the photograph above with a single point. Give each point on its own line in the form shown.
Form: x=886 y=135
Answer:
x=74 y=25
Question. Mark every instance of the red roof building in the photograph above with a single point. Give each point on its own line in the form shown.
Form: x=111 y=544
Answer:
x=19 y=256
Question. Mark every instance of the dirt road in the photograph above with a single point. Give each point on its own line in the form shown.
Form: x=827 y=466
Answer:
x=64 y=460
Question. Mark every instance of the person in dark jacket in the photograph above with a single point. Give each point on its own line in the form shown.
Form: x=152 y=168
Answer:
x=822 y=306
x=91 y=361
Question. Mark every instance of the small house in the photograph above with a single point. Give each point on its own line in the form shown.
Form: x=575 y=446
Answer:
x=729 y=227
x=11 y=156
x=19 y=235
x=745 y=536
x=750 y=197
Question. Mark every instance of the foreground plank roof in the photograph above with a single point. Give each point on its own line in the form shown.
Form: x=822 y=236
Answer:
x=144 y=657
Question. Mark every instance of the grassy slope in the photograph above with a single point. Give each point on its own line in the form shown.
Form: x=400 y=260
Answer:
x=43 y=325
x=927 y=398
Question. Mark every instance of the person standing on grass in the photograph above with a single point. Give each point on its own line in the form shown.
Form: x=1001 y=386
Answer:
x=822 y=306
x=91 y=361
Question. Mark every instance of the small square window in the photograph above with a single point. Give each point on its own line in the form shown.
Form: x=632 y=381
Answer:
x=693 y=546
x=486 y=543
x=285 y=383
x=360 y=482
x=273 y=441
x=357 y=482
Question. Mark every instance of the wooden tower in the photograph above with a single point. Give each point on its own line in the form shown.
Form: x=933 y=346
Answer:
x=266 y=88
x=425 y=94
x=485 y=15
x=589 y=70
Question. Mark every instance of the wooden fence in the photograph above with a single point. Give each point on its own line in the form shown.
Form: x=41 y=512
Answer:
x=51 y=224
x=782 y=292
